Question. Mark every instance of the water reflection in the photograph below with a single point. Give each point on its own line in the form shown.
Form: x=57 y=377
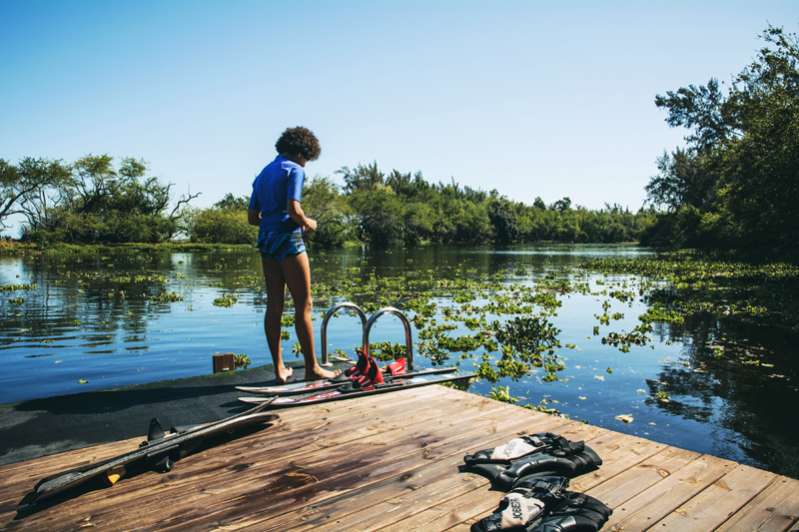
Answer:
x=98 y=321
x=742 y=379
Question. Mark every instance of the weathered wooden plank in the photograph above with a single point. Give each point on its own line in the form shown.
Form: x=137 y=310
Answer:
x=273 y=470
x=446 y=514
x=411 y=504
x=463 y=527
x=431 y=485
x=188 y=479
x=291 y=439
x=12 y=489
x=662 y=498
x=54 y=462
x=341 y=471
x=625 y=452
x=343 y=409
x=388 y=499
x=774 y=509
x=360 y=465
x=636 y=479
x=617 y=450
x=303 y=420
x=716 y=503
x=307 y=419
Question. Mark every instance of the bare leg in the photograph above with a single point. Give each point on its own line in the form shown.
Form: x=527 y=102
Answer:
x=297 y=273
x=275 y=294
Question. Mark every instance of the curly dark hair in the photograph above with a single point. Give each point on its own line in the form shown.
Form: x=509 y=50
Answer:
x=299 y=140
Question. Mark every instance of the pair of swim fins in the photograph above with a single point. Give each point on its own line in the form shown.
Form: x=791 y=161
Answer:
x=535 y=470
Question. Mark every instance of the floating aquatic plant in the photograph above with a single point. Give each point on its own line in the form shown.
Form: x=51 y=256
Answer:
x=227 y=300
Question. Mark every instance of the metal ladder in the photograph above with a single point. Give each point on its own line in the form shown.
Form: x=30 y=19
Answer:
x=366 y=327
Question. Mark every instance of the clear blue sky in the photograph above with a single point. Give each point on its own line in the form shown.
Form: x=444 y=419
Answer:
x=545 y=99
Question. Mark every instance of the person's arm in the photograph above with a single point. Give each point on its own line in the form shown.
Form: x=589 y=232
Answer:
x=296 y=178
x=254 y=210
x=298 y=215
x=253 y=217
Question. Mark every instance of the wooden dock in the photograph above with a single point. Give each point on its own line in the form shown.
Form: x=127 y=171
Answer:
x=389 y=462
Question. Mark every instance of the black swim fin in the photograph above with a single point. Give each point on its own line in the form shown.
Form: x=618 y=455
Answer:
x=155 y=431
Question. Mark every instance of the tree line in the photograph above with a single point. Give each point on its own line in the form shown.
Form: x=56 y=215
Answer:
x=735 y=185
x=90 y=201
x=95 y=201
x=395 y=208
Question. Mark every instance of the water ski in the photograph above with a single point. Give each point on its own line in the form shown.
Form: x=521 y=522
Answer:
x=159 y=452
x=346 y=391
x=299 y=388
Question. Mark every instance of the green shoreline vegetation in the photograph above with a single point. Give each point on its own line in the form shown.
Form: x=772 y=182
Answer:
x=92 y=202
x=735 y=185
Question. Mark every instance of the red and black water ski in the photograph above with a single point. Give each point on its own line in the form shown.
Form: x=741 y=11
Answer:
x=298 y=388
x=348 y=391
x=365 y=372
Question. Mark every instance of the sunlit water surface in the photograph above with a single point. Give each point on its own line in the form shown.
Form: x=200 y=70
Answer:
x=71 y=334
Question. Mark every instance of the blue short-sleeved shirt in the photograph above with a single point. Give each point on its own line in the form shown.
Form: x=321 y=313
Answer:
x=278 y=183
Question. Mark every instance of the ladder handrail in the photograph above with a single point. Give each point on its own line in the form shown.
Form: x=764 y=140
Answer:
x=329 y=314
x=405 y=324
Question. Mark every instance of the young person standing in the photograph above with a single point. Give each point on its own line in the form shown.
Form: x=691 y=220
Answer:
x=275 y=207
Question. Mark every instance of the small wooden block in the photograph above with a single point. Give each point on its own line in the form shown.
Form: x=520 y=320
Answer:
x=224 y=362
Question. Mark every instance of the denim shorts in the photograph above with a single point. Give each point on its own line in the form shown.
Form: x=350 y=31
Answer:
x=278 y=246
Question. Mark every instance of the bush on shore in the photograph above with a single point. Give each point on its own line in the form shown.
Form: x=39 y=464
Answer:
x=224 y=226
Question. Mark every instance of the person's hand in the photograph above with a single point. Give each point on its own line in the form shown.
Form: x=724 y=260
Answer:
x=310 y=225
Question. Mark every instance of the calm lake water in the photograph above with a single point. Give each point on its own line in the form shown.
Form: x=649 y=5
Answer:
x=125 y=317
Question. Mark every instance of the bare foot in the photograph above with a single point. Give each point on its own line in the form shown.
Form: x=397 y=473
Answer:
x=283 y=375
x=320 y=373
